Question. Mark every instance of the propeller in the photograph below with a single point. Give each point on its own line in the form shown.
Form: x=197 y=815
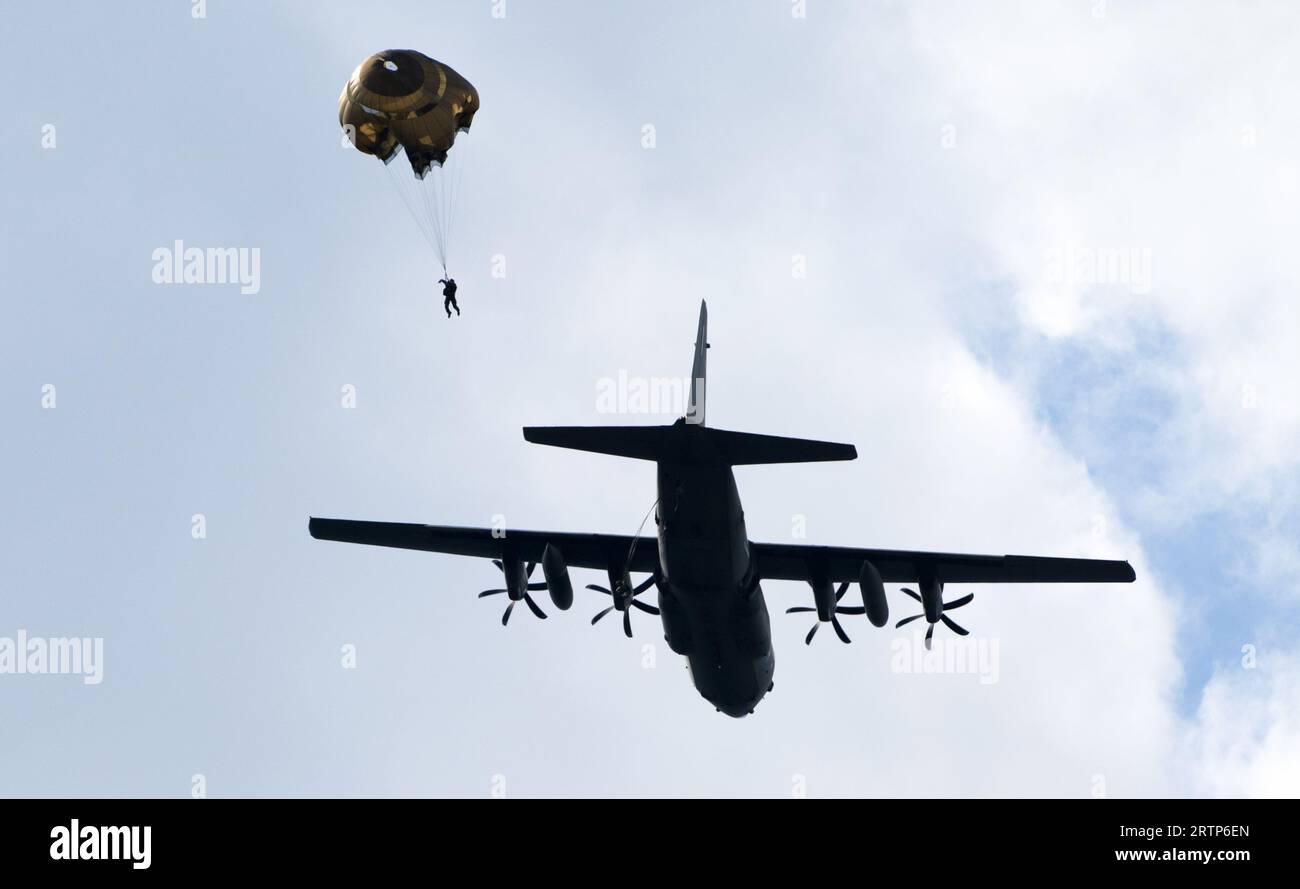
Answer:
x=943 y=608
x=834 y=621
x=527 y=587
x=624 y=595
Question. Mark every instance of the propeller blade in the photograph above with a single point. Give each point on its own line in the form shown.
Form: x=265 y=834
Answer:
x=850 y=609
x=908 y=620
x=949 y=606
x=839 y=630
x=807 y=640
x=602 y=614
x=528 y=600
x=797 y=609
x=490 y=593
x=505 y=618
x=648 y=609
x=599 y=589
x=627 y=623
x=954 y=626
x=644 y=585
x=929 y=634
x=844 y=588
x=911 y=593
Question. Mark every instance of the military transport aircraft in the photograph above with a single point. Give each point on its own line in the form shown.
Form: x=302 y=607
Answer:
x=703 y=565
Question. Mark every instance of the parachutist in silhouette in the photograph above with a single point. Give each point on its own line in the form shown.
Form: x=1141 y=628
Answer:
x=449 y=294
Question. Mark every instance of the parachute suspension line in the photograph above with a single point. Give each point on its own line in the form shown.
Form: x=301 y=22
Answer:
x=415 y=189
x=433 y=182
x=448 y=183
x=438 y=205
x=395 y=177
x=422 y=186
x=431 y=201
x=457 y=173
x=444 y=233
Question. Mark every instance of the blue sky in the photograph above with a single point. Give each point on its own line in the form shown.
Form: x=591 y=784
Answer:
x=925 y=159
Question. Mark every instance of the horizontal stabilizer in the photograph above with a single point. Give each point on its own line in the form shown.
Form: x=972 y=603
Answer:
x=637 y=442
x=689 y=443
x=741 y=448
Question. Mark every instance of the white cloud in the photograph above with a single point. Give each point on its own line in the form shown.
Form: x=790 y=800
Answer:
x=1247 y=738
x=1131 y=132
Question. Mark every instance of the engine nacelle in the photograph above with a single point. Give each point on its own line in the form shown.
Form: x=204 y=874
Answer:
x=932 y=598
x=516 y=576
x=873 y=594
x=556 y=573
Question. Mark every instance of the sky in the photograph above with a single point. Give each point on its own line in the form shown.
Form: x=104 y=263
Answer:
x=1034 y=259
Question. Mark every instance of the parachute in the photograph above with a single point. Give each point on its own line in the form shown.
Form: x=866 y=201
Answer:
x=400 y=101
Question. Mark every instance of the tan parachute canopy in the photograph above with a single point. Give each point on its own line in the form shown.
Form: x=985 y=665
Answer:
x=402 y=98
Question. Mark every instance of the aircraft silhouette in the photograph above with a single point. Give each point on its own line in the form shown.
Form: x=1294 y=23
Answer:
x=706 y=570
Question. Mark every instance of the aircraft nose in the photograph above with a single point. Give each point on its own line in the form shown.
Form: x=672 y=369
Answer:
x=736 y=709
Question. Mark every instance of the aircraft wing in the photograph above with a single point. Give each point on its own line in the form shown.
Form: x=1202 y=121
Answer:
x=599 y=551
x=783 y=561
x=776 y=561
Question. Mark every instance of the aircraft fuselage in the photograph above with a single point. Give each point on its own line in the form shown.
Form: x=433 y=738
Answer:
x=710 y=601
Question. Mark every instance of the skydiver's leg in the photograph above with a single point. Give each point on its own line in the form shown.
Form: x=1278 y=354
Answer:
x=455 y=305
x=445 y=302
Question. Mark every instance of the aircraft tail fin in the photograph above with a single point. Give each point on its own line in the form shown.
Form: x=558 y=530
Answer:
x=699 y=369
x=688 y=440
